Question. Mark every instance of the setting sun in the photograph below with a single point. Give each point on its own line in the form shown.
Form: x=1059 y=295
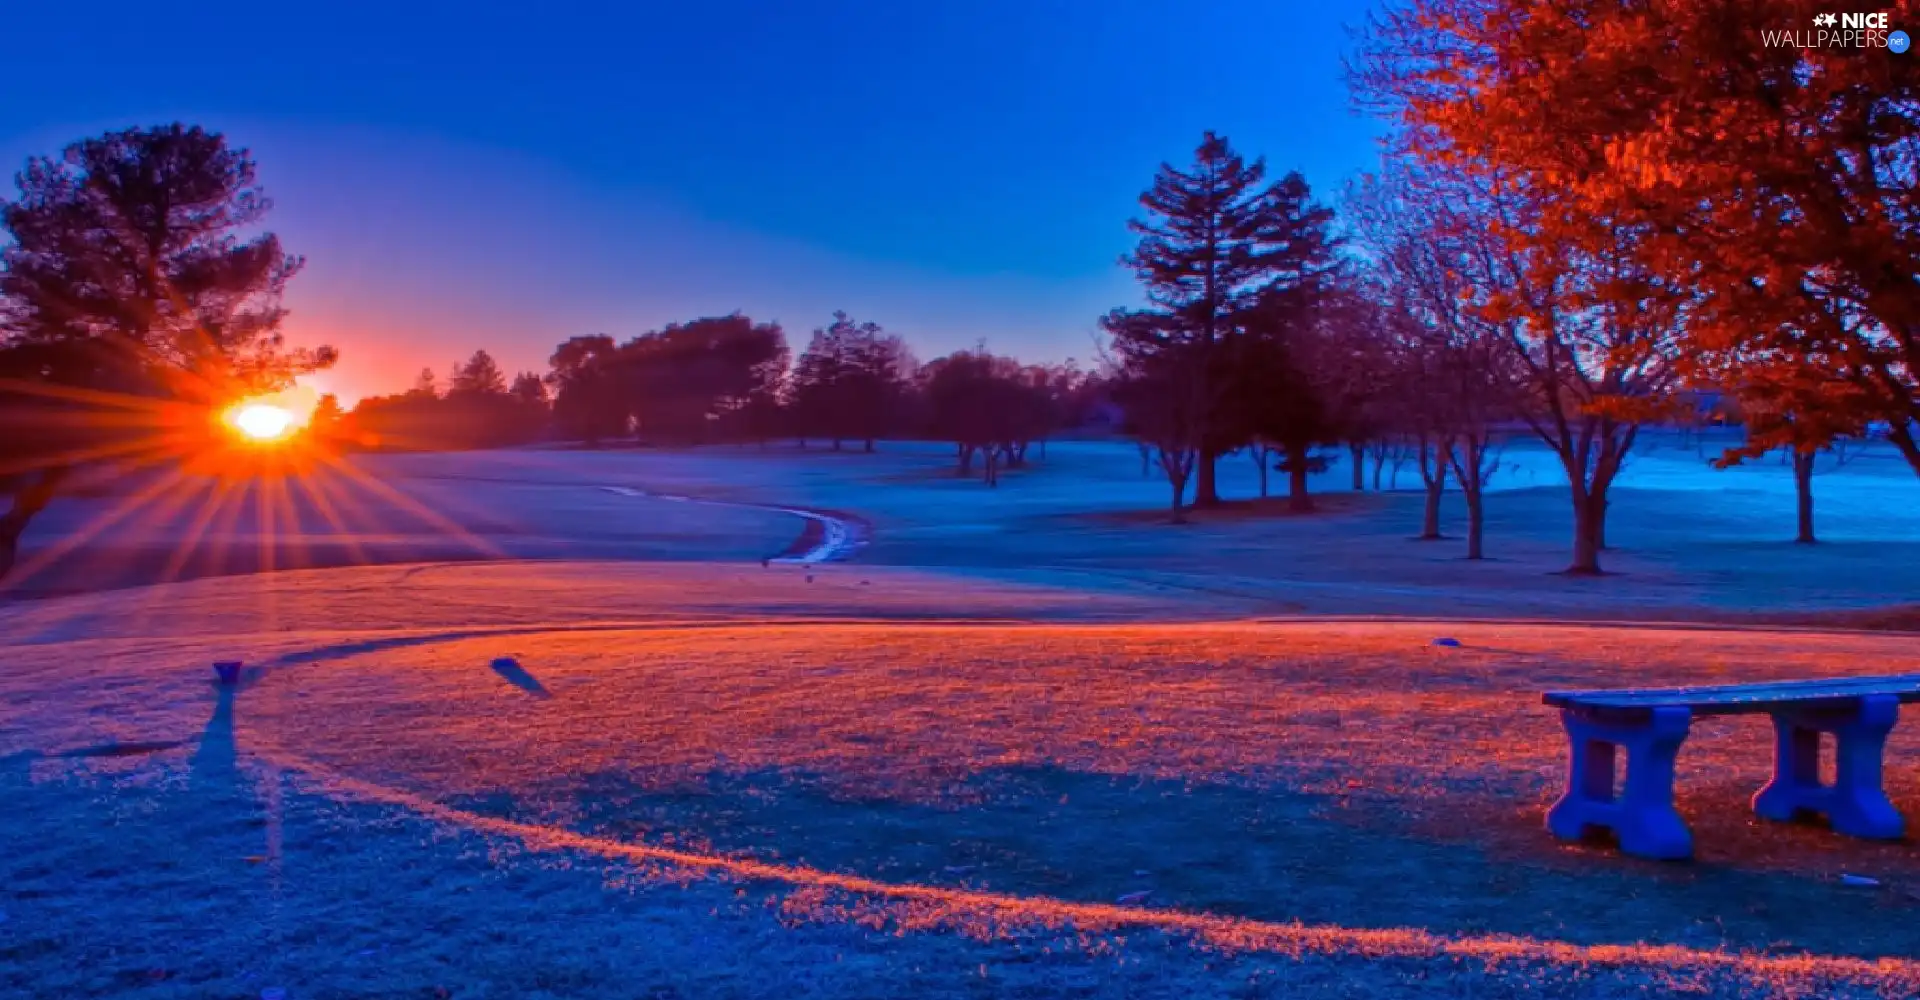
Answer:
x=261 y=421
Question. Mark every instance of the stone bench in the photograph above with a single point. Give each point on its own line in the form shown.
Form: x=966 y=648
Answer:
x=1649 y=725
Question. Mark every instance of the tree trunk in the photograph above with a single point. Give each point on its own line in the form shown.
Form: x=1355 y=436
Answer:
x=1430 y=516
x=1297 y=498
x=1358 y=451
x=1589 y=527
x=836 y=444
x=869 y=448
x=1178 y=480
x=1434 y=460
x=966 y=459
x=1379 y=463
x=1470 y=471
x=1260 y=457
x=30 y=500
x=1146 y=461
x=1476 y=521
x=992 y=467
x=1205 y=492
x=1803 y=493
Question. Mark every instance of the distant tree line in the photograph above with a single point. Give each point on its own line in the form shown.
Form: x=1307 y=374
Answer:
x=478 y=408
x=729 y=379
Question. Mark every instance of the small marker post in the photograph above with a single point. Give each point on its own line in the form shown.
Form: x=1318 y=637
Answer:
x=226 y=673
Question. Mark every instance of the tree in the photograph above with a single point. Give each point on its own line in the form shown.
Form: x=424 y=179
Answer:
x=1164 y=392
x=992 y=406
x=1214 y=238
x=425 y=385
x=688 y=381
x=479 y=376
x=1278 y=395
x=1595 y=325
x=1801 y=413
x=586 y=399
x=532 y=409
x=327 y=417
x=478 y=411
x=851 y=381
x=530 y=389
x=760 y=414
x=958 y=390
x=1777 y=181
x=1455 y=367
x=138 y=294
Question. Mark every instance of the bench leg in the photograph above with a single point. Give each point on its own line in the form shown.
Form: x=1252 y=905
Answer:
x=1642 y=816
x=1856 y=803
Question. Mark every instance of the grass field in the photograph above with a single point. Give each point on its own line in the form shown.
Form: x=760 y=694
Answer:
x=700 y=781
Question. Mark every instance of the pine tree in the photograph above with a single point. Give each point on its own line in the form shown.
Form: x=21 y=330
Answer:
x=1215 y=238
x=479 y=376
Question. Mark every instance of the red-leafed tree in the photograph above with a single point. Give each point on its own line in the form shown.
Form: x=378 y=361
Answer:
x=1779 y=184
x=1599 y=315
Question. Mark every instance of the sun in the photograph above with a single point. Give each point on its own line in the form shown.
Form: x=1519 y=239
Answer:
x=260 y=421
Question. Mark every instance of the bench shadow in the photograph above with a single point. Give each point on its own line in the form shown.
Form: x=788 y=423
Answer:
x=513 y=673
x=1265 y=854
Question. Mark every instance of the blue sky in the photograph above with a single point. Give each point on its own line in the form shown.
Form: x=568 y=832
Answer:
x=506 y=175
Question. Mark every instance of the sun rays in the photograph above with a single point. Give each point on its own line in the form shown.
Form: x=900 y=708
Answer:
x=194 y=490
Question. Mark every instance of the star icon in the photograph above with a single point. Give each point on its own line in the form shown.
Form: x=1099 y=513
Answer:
x=1827 y=19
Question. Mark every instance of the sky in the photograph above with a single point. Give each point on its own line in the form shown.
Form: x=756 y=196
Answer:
x=506 y=175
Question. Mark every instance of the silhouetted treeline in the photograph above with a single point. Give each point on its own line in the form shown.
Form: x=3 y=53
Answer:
x=729 y=379
x=479 y=409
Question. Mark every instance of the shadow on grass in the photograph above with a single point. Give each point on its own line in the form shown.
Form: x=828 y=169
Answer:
x=1264 y=854
x=513 y=673
x=214 y=768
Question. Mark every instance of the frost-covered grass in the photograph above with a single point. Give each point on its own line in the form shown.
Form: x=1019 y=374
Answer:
x=748 y=784
x=142 y=886
x=1688 y=541
x=1065 y=757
